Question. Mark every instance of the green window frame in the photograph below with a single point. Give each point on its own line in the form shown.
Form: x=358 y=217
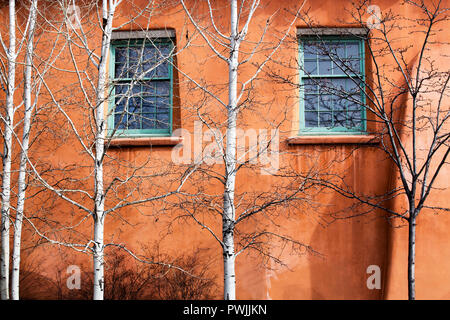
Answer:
x=338 y=115
x=149 y=94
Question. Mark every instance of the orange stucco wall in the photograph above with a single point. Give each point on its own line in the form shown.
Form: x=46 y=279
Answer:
x=345 y=248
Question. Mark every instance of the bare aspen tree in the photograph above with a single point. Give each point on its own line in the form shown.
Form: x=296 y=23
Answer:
x=405 y=102
x=100 y=184
x=29 y=107
x=240 y=207
x=10 y=83
x=24 y=20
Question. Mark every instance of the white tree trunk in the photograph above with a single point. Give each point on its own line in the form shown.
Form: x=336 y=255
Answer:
x=29 y=106
x=99 y=217
x=99 y=259
x=230 y=155
x=7 y=153
x=412 y=254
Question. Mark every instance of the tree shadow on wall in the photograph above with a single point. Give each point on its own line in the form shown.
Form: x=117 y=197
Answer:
x=128 y=279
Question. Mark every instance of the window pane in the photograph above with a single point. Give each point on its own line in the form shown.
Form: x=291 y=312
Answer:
x=339 y=118
x=311 y=119
x=326 y=86
x=134 y=64
x=135 y=101
x=323 y=49
x=338 y=68
x=326 y=103
x=122 y=97
x=352 y=50
x=121 y=63
x=354 y=118
x=133 y=121
x=149 y=88
x=148 y=105
x=162 y=70
x=354 y=103
x=338 y=54
x=163 y=51
x=353 y=86
x=148 y=121
x=121 y=91
x=340 y=103
x=309 y=50
x=354 y=66
x=163 y=88
x=325 y=119
x=339 y=49
x=310 y=67
x=311 y=102
x=120 y=107
x=339 y=84
x=309 y=86
x=324 y=66
x=162 y=121
x=134 y=109
x=119 y=121
x=149 y=61
x=162 y=103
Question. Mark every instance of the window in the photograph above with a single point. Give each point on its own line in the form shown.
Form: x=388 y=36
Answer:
x=332 y=85
x=141 y=97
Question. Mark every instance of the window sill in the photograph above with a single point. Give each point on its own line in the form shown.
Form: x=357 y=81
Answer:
x=145 y=141
x=334 y=139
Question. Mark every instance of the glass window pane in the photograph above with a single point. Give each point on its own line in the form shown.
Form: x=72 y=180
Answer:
x=148 y=105
x=338 y=68
x=163 y=88
x=121 y=63
x=122 y=95
x=162 y=120
x=162 y=103
x=119 y=121
x=133 y=121
x=120 y=107
x=162 y=69
x=311 y=102
x=309 y=86
x=339 y=118
x=354 y=118
x=354 y=66
x=324 y=50
x=135 y=61
x=311 y=119
x=121 y=89
x=326 y=87
x=325 y=119
x=339 y=49
x=309 y=50
x=310 y=67
x=326 y=103
x=163 y=51
x=324 y=67
x=340 y=103
x=353 y=86
x=149 y=88
x=148 y=121
x=352 y=50
x=135 y=101
x=148 y=64
x=354 y=103
x=339 y=84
